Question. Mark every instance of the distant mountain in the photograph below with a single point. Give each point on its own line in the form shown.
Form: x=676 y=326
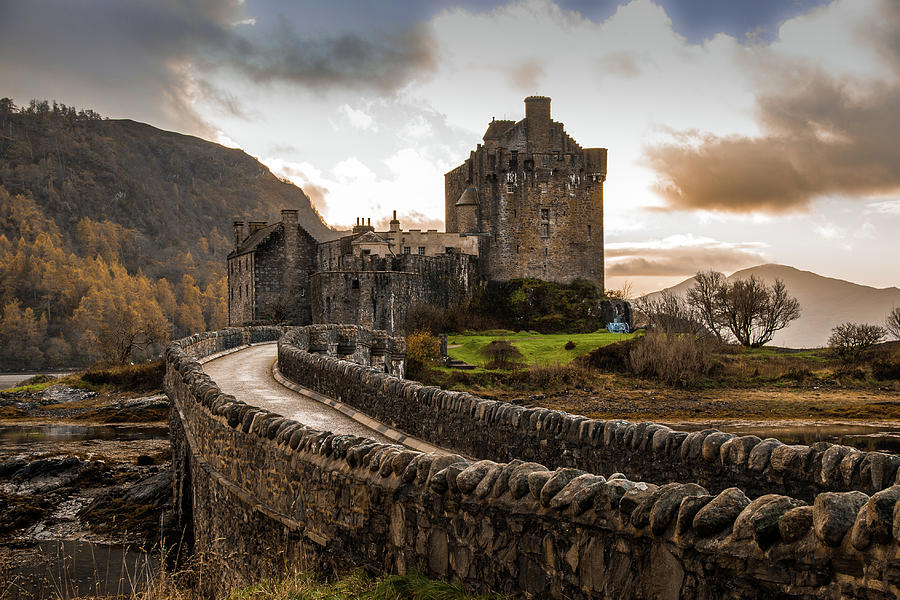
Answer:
x=178 y=193
x=824 y=303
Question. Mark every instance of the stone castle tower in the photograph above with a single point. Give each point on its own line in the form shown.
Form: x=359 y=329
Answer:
x=534 y=199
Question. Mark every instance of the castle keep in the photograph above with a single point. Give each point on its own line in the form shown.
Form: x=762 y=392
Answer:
x=535 y=199
x=526 y=203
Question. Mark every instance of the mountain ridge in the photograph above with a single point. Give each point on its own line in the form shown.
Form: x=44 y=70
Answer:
x=825 y=302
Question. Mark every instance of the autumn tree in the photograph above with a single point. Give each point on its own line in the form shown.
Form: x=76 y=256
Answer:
x=850 y=340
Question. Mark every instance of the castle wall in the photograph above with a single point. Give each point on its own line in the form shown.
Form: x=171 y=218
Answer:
x=241 y=288
x=260 y=495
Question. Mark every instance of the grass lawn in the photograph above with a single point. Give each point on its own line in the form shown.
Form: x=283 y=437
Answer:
x=536 y=348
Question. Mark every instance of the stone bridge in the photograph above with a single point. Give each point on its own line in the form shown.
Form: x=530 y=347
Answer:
x=534 y=502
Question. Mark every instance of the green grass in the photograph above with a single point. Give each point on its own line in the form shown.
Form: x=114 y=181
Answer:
x=536 y=348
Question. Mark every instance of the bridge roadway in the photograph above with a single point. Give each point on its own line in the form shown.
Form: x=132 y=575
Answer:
x=247 y=375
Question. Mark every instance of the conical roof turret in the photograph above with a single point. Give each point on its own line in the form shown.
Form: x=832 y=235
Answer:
x=469 y=197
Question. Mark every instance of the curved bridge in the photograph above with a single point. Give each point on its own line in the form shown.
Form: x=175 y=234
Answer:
x=259 y=493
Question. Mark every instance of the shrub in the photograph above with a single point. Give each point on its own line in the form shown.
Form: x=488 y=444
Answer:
x=611 y=358
x=423 y=350
x=886 y=369
x=849 y=340
x=501 y=354
x=570 y=345
x=678 y=360
x=140 y=377
x=893 y=322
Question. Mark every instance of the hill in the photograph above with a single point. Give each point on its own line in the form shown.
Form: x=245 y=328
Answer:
x=113 y=233
x=824 y=302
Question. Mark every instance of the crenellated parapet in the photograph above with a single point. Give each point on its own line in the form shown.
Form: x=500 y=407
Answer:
x=264 y=494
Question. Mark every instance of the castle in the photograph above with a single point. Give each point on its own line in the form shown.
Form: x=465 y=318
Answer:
x=528 y=202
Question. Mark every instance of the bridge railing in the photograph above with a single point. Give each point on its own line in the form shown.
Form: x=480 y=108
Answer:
x=266 y=494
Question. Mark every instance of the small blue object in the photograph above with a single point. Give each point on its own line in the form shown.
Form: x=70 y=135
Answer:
x=617 y=327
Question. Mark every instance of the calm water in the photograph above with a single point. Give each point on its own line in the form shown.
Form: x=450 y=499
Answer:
x=69 y=569
x=864 y=437
x=18 y=434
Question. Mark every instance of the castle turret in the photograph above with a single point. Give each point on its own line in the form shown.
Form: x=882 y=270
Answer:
x=537 y=119
x=467 y=211
x=238 y=234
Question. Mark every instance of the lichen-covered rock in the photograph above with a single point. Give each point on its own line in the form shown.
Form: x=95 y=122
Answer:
x=633 y=496
x=720 y=512
x=834 y=514
x=536 y=482
x=849 y=464
x=585 y=497
x=790 y=458
x=795 y=523
x=501 y=484
x=692 y=446
x=878 y=469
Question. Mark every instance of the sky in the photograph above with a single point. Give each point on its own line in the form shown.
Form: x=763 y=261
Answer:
x=739 y=132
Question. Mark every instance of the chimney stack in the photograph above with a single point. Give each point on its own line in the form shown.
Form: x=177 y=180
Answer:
x=289 y=215
x=395 y=224
x=238 y=234
x=256 y=226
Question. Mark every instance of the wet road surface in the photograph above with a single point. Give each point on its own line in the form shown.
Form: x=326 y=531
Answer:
x=246 y=375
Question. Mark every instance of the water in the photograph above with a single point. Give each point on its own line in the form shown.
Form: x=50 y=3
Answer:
x=74 y=568
x=17 y=434
x=865 y=437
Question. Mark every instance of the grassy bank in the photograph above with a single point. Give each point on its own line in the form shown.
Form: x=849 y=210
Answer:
x=105 y=378
x=536 y=348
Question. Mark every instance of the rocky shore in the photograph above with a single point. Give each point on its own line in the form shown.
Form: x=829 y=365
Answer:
x=79 y=466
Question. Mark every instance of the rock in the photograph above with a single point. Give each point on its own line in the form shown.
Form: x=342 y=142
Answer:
x=795 y=523
x=585 y=497
x=155 y=490
x=878 y=517
x=736 y=451
x=879 y=469
x=713 y=443
x=849 y=464
x=666 y=507
x=556 y=483
x=758 y=459
x=759 y=519
x=469 y=479
x=720 y=512
x=501 y=484
x=834 y=514
x=518 y=479
x=692 y=446
x=536 y=482
x=567 y=495
x=484 y=487
x=790 y=458
x=689 y=507
x=830 y=472
x=634 y=494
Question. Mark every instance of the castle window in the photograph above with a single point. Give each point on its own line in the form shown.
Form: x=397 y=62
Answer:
x=545 y=230
x=510 y=188
x=546 y=252
x=545 y=214
x=366 y=252
x=355 y=284
x=448 y=249
x=422 y=250
x=517 y=248
x=544 y=187
x=405 y=249
x=589 y=232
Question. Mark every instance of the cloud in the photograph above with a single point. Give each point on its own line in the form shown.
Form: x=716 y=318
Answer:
x=154 y=61
x=823 y=132
x=884 y=207
x=357 y=118
x=526 y=74
x=680 y=255
x=411 y=220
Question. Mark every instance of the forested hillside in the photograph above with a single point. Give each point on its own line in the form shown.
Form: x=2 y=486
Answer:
x=113 y=234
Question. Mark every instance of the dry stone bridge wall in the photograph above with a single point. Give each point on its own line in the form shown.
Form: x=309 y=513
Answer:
x=538 y=503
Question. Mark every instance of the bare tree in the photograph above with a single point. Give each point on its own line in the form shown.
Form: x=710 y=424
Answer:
x=669 y=313
x=893 y=322
x=850 y=339
x=748 y=309
x=705 y=299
